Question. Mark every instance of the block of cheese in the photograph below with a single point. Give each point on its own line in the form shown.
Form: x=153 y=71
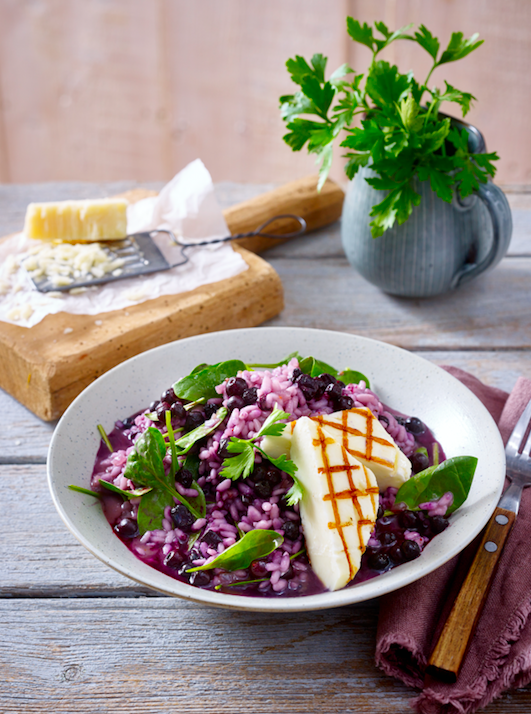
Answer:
x=339 y=504
x=76 y=221
x=363 y=437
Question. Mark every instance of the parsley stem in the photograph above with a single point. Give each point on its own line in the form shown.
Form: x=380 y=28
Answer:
x=171 y=437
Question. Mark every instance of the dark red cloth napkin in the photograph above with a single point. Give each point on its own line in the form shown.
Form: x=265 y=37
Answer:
x=499 y=656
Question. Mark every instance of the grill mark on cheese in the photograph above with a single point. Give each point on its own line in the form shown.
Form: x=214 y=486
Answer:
x=322 y=442
x=369 y=437
x=352 y=494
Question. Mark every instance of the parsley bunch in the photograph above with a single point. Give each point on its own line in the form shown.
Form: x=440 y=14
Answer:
x=402 y=134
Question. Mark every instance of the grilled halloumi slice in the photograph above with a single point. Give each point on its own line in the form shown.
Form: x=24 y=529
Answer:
x=339 y=505
x=363 y=437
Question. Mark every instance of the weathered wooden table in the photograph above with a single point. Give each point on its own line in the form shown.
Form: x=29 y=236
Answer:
x=78 y=637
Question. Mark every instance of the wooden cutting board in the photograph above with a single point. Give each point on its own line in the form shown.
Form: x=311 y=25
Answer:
x=46 y=366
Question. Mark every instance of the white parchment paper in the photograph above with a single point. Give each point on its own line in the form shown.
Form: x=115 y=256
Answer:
x=186 y=205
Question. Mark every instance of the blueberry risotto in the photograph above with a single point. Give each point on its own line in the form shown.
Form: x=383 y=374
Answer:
x=275 y=480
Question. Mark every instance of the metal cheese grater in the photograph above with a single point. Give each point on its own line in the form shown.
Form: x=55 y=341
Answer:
x=139 y=255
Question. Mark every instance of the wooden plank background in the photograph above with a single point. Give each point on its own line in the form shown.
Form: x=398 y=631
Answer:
x=103 y=90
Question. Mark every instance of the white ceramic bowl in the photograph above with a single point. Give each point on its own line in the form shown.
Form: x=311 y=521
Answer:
x=402 y=380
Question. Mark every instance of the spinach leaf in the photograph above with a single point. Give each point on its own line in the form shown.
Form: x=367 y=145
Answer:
x=277 y=364
x=126 y=494
x=203 y=382
x=315 y=367
x=254 y=544
x=350 y=376
x=454 y=475
x=151 y=510
x=144 y=465
x=185 y=443
x=198 y=502
x=191 y=463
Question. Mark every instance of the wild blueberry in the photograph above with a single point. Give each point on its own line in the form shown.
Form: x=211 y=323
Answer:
x=235 y=386
x=273 y=475
x=168 y=396
x=126 y=528
x=177 y=410
x=182 y=518
x=258 y=568
x=212 y=538
x=260 y=472
x=415 y=426
x=396 y=555
x=193 y=419
x=210 y=410
x=410 y=550
x=296 y=374
x=200 y=578
x=291 y=530
x=307 y=386
x=388 y=538
x=334 y=393
x=419 y=462
x=345 y=402
x=438 y=524
x=235 y=402
x=223 y=452
x=320 y=386
x=173 y=560
x=184 y=477
x=263 y=488
x=408 y=520
x=250 y=395
x=161 y=411
x=327 y=378
x=378 y=561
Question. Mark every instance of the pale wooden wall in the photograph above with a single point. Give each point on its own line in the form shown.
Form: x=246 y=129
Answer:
x=134 y=89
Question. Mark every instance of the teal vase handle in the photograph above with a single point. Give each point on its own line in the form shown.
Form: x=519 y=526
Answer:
x=502 y=225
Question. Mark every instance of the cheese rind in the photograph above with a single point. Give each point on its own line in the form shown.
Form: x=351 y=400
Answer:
x=339 y=505
x=72 y=221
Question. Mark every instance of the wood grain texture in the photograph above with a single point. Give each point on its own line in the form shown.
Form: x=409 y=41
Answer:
x=492 y=312
x=297 y=198
x=449 y=651
x=46 y=369
x=160 y=655
x=126 y=88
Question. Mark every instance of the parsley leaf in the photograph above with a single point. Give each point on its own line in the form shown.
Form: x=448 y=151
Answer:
x=296 y=492
x=402 y=134
x=241 y=465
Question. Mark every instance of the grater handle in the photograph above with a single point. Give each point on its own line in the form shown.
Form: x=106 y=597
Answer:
x=299 y=198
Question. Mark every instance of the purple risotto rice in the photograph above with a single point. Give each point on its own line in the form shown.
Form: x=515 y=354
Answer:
x=226 y=510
